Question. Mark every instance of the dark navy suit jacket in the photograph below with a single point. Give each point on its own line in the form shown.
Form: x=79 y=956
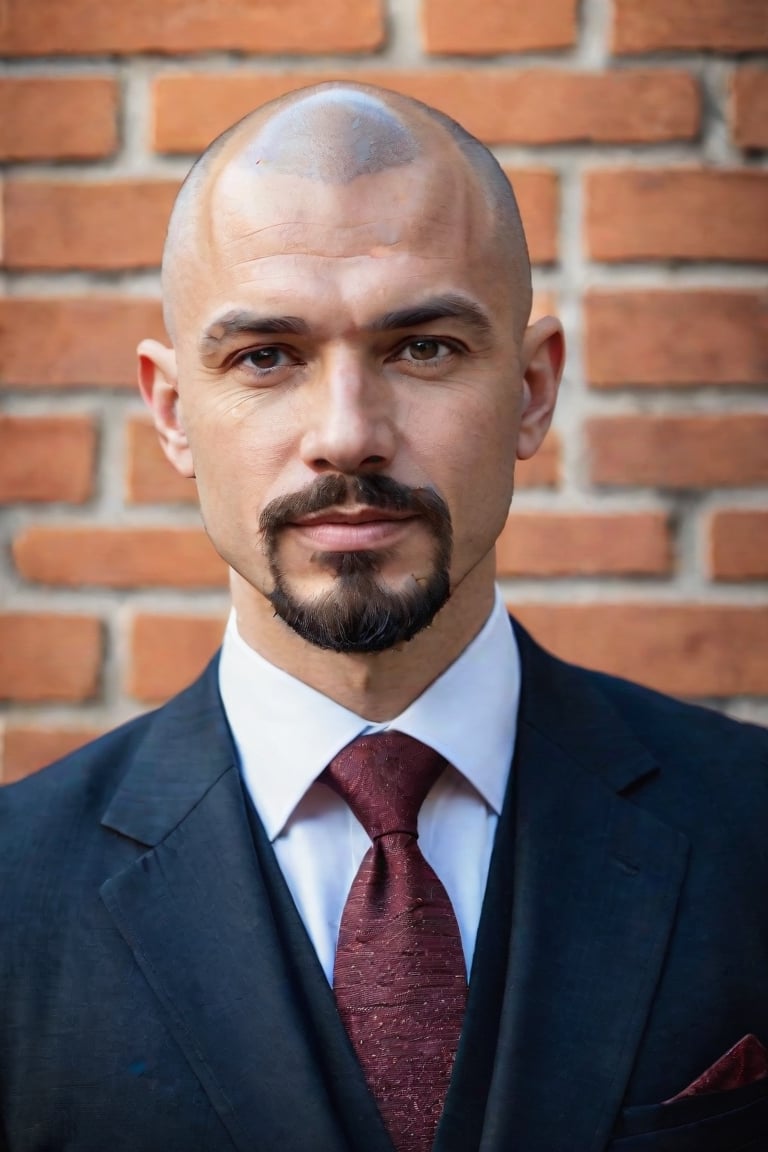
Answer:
x=158 y=992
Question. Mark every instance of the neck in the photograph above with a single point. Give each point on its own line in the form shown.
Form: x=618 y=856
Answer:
x=377 y=686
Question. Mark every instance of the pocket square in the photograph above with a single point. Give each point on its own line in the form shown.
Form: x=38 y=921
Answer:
x=741 y=1065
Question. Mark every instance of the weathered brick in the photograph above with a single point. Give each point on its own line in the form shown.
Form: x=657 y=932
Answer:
x=687 y=650
x=659 y=338
x=676 y=214
x=85 y=556
x=535 y=106
x=541 y=543
x=74 y=341
x=749 y=107
x=47 y=458
x=74 y=224
x=538 y=197
x=49 y=657
x=149 y=477
x=167 y=652
x=477 y=27
x=679 y=451
x=57 y=118
x=716 y=25
x=738 y=544
x=46 y=27
x=25 y=749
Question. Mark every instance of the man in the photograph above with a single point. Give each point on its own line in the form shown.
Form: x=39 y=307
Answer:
x=216 y=934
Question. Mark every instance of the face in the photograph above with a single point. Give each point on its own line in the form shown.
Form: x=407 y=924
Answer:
x=350 y=391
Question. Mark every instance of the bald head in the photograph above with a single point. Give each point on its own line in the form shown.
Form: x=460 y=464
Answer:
x=334 y=134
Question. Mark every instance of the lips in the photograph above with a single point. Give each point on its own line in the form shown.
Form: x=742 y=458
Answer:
x=348 y=530
x=351 y=517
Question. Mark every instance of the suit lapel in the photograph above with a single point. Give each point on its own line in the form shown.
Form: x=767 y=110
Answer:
x=196 y=913
x=596 y=883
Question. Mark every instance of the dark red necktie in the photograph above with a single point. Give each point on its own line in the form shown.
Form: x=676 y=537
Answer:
x=399 y=976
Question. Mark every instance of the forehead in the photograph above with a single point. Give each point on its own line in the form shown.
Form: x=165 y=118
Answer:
x=339 y=255
x=420 y=206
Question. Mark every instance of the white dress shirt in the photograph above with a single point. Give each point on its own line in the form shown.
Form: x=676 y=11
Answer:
x=286 y=733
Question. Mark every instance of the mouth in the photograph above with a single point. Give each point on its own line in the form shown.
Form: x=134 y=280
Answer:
x=351 y=529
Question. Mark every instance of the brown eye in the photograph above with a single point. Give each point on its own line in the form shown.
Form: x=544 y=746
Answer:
x=425 y=349
x=265 y=359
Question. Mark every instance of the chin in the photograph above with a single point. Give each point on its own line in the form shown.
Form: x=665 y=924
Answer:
x=361 y=612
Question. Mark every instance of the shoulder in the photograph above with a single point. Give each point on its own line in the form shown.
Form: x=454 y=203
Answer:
x=711 y=781
x=83 y=782
x=693 y=763
x=671 y=725
x=71 y=791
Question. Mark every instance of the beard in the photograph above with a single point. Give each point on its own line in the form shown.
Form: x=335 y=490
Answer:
x=359 y=612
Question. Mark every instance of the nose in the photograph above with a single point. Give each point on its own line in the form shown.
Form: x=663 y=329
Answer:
x=350 y=423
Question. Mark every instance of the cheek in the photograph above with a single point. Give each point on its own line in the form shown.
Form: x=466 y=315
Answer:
x=471 y=445
x=240 y=445
x=473 y=465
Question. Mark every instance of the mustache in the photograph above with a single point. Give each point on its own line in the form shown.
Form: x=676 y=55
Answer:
x=373 y=491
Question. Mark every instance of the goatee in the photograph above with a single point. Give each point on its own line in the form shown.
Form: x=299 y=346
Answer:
x=359 y=613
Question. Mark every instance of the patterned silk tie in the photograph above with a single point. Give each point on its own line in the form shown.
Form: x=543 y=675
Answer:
x=399 y=977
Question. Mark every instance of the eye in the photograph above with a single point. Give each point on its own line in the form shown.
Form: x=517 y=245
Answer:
x=265 y=359
x=425 y=349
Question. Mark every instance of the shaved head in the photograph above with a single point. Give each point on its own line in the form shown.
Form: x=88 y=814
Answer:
x=334 y=134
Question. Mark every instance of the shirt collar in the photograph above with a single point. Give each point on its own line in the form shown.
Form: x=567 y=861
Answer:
x=286 y=732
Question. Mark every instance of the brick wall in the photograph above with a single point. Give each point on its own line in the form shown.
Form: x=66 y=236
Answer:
x=635 y=133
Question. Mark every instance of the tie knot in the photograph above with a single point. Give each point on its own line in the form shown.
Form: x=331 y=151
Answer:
x=384 y=778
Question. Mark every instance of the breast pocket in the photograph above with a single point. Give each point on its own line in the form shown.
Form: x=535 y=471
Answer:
x=732 y=1121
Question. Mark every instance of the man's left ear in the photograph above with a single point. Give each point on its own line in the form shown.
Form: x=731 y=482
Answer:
x=542 y=357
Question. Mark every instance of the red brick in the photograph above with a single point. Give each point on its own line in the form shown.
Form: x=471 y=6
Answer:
x=74 y=341
x=538 y=197
x=749 y=108
x=26 y=749
x=685 y=649
x=47 y=458
x=654 y=338
x=679 y=451
x=543 y=304
x=535 y=106
x=118 y=557
x=168 y=652
x=49 y=657
x=676 y=214
x=696 y=25
x=149 y=477
x=738 y=544
x=81 y=27
x=478 y=27
x=84 y=225
x=578 y=544
x=58 y=118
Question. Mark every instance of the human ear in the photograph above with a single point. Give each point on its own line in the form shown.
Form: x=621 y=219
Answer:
x=542 y=358
x=158 y=384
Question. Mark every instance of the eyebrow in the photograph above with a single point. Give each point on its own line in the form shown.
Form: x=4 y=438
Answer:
x=450 y=306
x=238 y=323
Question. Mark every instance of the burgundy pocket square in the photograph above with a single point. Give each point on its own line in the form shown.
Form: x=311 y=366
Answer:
x=743 y=1064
